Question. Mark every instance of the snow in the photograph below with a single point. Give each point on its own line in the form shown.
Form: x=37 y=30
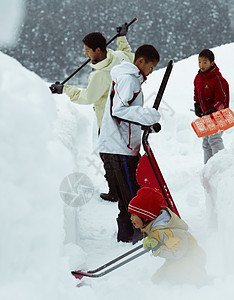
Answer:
x=45 y=137
x=11 y=17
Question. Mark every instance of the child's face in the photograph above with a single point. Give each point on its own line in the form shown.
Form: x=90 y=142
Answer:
x=204 y=64
x=93 y=55
x=136 y=221
x=146 y=68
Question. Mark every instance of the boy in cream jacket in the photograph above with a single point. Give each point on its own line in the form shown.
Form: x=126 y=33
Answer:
x=99 y=82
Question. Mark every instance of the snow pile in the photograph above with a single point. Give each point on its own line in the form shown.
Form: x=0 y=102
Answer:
x=217 y=178
x=32 y=163
x=34 y=262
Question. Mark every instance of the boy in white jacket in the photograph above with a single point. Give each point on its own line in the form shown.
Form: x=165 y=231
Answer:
x=120 y=136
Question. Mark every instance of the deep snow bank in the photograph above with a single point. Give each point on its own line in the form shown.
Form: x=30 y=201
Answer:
x=217 y=178
x=33 y=163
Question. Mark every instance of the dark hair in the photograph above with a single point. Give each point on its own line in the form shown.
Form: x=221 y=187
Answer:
x=95 y=40
x=144 y=220
x=148 y=52
x=207 y=54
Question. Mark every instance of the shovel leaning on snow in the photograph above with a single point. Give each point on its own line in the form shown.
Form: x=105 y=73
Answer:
x=148 y=173
x=92 y=273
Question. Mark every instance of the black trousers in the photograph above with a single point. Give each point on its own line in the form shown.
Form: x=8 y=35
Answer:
x=109 y=175
x=121 y=171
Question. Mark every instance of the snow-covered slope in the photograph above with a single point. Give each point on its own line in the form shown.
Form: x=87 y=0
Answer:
x=44 y=138
x=32 y=163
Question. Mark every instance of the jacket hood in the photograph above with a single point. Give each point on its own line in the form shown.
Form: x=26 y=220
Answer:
x=126 y=68
x=109 y=62
x=167 y=219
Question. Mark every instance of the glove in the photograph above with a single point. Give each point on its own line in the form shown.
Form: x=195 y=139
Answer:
x=210 y=111
x=173 y=244
x=122 y=31
x=198 y=111
x=153 y=244
x=56 y=88
x=153 y=128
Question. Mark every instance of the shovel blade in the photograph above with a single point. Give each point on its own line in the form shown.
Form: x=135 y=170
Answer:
x=80 y=274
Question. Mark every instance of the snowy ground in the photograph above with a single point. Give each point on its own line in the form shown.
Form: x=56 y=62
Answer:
x=45 y=137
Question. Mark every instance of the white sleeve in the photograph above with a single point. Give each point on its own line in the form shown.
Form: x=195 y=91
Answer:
x=126 y=91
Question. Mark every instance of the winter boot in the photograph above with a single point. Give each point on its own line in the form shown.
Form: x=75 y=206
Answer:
x=125 y=230
x=109 y=197
x=112 y=196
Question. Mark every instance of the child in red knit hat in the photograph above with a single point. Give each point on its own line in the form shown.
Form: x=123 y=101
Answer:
x=185 y=260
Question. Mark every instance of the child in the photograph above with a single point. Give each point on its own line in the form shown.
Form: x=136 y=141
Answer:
x=185 y=260
x=120 y=136
x=99 y=82
x=211 y=93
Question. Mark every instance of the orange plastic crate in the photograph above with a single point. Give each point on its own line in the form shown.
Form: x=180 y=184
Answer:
x=214 y=123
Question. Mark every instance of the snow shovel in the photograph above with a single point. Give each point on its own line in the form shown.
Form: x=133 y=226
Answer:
x=214 y=123
x=87 y=61
x=80 y=274
x=148 y=173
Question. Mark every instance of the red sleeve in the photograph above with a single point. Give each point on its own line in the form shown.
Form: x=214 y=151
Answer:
x=195 y=90
x=221 y=96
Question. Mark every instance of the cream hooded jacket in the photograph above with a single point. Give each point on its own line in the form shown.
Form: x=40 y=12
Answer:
x=172 y=233
x=185 y=260
x=124 y=113
x=99 y=80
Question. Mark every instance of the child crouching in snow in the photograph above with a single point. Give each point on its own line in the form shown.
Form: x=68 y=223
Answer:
x=185 y=260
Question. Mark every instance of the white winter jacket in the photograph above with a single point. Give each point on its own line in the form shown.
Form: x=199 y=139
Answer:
x=124 y=113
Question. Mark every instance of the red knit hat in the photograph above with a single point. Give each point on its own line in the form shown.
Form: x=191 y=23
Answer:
x=147 y=203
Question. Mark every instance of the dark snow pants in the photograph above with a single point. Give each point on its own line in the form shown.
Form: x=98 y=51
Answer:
x=123 y=170
x=110 y=175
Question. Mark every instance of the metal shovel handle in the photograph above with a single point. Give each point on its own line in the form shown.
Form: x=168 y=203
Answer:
x=81 y=274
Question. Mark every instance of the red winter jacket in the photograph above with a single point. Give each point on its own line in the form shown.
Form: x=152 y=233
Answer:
x=211 y=90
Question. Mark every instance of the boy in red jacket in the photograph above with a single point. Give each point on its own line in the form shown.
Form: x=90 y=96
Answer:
x=211 y=93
